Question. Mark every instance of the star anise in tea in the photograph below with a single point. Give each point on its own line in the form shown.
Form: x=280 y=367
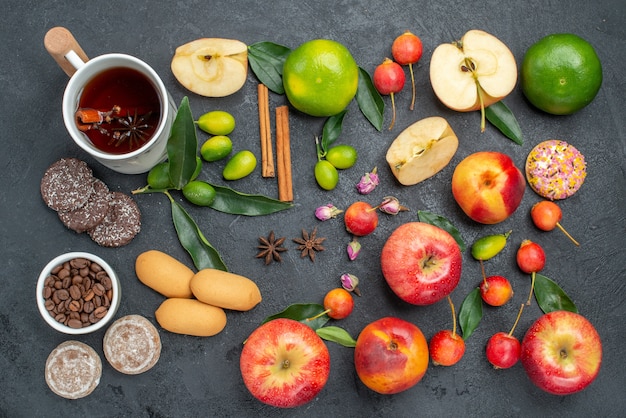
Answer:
x=133 y=130
x=309 y=244
x=271 y=247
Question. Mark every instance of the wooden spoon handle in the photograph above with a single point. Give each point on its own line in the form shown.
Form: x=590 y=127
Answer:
x=59 y=42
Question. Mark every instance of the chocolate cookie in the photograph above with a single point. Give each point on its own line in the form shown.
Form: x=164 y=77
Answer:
x=73 y=370
x=121 y=223
x=67 y=184
x=132 y=345
x=92 y=213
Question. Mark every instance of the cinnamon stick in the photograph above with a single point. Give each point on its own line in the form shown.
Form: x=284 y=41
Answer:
x=283 y=155
x=267 y=155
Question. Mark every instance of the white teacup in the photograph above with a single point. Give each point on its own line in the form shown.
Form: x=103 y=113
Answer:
x=82 y=71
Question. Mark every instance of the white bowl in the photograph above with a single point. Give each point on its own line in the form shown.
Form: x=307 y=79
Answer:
x=115 y=300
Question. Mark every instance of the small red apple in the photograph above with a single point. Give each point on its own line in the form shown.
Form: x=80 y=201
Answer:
x=361 y=219
x=338 y=303
x=446 y=348
x=284 y=363
x=421 y=263
x=503 y=350
x=496 y=290
x=547 y=215
x=562 y=352
x=389 y=79
x=488 y=186
x=390 y=355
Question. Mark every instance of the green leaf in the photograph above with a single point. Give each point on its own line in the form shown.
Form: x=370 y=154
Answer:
x=332 y=130
x=550 y=297
x=302 y=312
x=471 y=313
x=443 y=223
x=502 y=118
x=230 y=201
x=337 y=335
x=191 y=238
x=266 y=61
x=370 y=102
x=182 y=146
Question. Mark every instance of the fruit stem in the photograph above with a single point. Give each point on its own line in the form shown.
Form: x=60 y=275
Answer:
x=318 y=315
x=532 y=287
x=393 y=110
x=453 y=316
x=567 y=233
x=519 y=314
x=413 y=86
x=482 y=269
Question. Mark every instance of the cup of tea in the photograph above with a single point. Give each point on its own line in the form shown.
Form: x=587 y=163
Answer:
x=115 y=106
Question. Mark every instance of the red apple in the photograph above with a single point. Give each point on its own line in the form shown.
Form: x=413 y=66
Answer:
x=421 y=263
x=446 y=348
x=562 y=352
x=503 y=350
x=390 y=355
x=284 y=363
x=488 y=186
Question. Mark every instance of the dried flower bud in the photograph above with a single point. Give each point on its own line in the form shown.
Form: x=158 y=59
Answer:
x=368 y=182
x=354 y=248
x=326 y=212
x=351 y=283
x=391 y=205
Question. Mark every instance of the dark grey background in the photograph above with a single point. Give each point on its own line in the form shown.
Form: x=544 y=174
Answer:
x=200 y=376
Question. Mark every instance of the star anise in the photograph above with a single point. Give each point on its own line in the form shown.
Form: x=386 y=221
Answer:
x=133 y=130
x=309 y=244
x=271 y=248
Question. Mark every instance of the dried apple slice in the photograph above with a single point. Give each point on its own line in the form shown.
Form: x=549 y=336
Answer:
x=422 y=150
x=211 y=67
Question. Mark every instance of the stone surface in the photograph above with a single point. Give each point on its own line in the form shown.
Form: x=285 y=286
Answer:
x=200 y=376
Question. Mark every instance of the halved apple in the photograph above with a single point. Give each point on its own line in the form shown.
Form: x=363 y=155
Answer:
x=211 y=67
x=422 y=150
x=472 y=73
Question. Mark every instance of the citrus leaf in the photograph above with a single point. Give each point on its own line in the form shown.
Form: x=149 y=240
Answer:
x=266 y=61
x=443 y=223
x=302 y=312
x=332 y=130
x=337 y=335
x=550 y=297
x=369 y=100
x=182 y=146
x=502 y=118
x=471 y=313
x=231 y=201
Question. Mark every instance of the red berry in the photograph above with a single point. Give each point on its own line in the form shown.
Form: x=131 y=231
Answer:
x=446 y=348
x=338 y=303
x=503 y=350
x=530 y=257
x=496 y=290
x=361 y=219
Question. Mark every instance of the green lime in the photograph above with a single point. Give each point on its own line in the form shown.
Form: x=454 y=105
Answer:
x=217 y=122
x=489 y=246
x=199 y=193
x=240 y=165
x=326 y=175
x=342 y=156
x=216 y=148
x=159 y=176
x=320 y=77
x=561 y=74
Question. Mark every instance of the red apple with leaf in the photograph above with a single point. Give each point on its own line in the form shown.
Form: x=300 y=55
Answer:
x=284 y=363
x=421 y=263
x=562 y=352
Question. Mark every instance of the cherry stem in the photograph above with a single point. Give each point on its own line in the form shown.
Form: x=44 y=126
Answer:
x=393 y=111
x=453 y=316
x=567 y=233
x=413 y=85
x=482 y=269
x=318 y=315
x=519 y=314
x=532 y=287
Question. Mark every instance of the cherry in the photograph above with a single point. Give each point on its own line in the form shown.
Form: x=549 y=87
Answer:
x=338 y=304
x=496 y=290
x=447 y=347
x=407 y=50
x=504 y=350
x=546 y=215
x=531 y=259
x=389 y=79
x=361 y=218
